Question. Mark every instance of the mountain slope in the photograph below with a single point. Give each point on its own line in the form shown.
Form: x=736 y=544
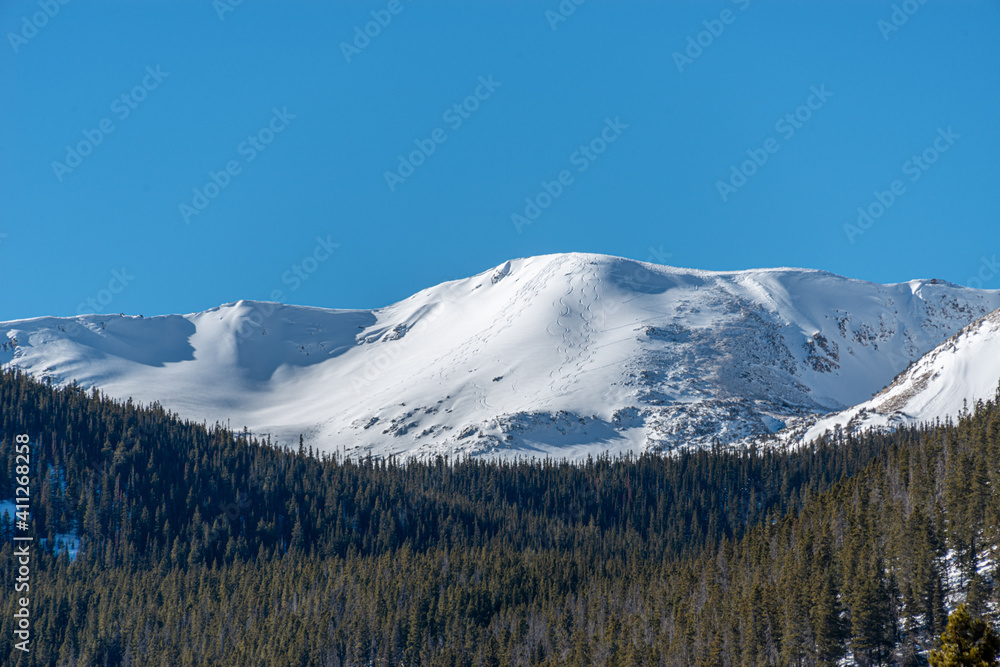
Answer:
x=951 y=377
x=559 y=354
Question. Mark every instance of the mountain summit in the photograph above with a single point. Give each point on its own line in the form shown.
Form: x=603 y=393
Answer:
x=559 y=355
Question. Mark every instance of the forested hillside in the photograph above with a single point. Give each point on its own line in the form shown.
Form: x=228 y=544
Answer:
x=205 y=547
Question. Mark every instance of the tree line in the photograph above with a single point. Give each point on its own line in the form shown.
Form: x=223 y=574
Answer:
x=203 y=546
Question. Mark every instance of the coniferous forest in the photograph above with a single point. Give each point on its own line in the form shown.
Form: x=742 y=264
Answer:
x=201 y=546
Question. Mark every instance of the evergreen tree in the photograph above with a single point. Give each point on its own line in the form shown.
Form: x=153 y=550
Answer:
x=966 y=642
x=204 y=546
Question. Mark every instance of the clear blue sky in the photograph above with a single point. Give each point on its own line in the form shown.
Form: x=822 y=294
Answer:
x=653 y=193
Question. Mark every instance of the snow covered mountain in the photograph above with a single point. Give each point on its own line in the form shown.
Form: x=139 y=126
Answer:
x=559 y=355
x=948 y=379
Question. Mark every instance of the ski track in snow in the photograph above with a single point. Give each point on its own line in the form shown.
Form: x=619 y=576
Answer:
x=540 y=354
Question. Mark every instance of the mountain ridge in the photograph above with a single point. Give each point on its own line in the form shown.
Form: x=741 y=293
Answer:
x=563 y=355
x=947 y=380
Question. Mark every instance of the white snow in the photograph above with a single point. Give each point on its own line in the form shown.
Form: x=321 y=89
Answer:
x=561 y=355
x=65 y=543
x=953 y=376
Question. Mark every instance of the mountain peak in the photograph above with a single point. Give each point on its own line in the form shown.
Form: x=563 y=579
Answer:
x=561 y=355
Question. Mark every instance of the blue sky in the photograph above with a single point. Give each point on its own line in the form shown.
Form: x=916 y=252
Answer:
x=649 y=112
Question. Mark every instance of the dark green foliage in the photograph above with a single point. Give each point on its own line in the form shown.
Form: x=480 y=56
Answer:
x=966 y=642
x=204 y=547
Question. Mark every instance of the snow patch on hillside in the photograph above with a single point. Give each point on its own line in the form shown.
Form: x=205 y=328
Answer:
x=952 y=377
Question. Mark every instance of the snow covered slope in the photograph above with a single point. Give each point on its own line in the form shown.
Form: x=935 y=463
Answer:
x=953 y=376
x=560 y=354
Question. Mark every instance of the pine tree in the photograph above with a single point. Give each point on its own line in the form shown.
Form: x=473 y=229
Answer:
x=831 y=629
x=966 y=642
x=871 y=621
